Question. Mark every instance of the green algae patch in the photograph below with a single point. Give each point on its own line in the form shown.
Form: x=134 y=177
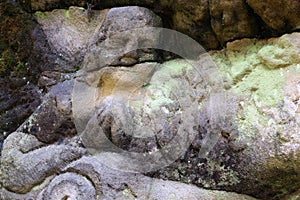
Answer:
x=157 y=103
x=164 y=91
x=281 y=53
x=175 y=67
x=260 y=87
x=227 y=176
x=249 y=76
x=249 y=118
x=164 y=85
x=265 y=86
x=67 y=14
x=272 y=57
x=41 y=15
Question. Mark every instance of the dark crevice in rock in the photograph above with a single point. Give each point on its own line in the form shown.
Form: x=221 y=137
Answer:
x=18 y=100
x=24 y=55
x=212 y=30
x=264 y=31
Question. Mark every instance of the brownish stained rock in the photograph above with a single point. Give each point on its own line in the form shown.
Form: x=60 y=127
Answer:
x=232 y=19
x=280 y=15
x=210 y=22
x=193 y=19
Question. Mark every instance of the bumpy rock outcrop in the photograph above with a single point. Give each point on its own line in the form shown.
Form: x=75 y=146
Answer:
x=268 y=83
x=24 y=55
x=56 y=108
x=87 y=178
x=73 y=32
x=70 y=32
x=230 y=125
x=255 y=120
x=210 y=22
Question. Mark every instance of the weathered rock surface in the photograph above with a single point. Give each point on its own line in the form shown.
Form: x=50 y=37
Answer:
x=24 y=54
x=115 y=42
x=191 y=18
x=241 y=118
x=232 y=19
x=279 y=15
x=269 y=123
x=71 y=33
x=87 y=178
x=256 y=120
x=212 y=23
x=18 y=100
x=56 y=108
x=32 y=162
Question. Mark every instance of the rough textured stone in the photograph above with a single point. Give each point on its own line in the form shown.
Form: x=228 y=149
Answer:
x=18 y=100
x=24 y=54
x=269 y=120
x=32 y=161
x=70 y=32
x=282 y=53
x=62 y=26
x=212 y=23
x=86 y=178
x=256 y=147
x=139 y=87
x=56 y=108
x=193 y=19
x=232 y=19
x=251 y=105
x=115 y=42
x=50 y=78
x=282 y=16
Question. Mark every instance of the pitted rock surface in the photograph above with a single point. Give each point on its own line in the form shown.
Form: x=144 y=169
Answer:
x=254 y=114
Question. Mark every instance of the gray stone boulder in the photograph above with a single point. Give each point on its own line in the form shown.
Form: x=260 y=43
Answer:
x=114 y=131
x=56 y=109
x=72 y=33
x=121 y=33
x=26 y=161
x=69 y=33
x=87 y=178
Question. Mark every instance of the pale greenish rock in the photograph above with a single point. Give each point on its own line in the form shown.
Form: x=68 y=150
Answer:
x=284 y=52
x=265 y=74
